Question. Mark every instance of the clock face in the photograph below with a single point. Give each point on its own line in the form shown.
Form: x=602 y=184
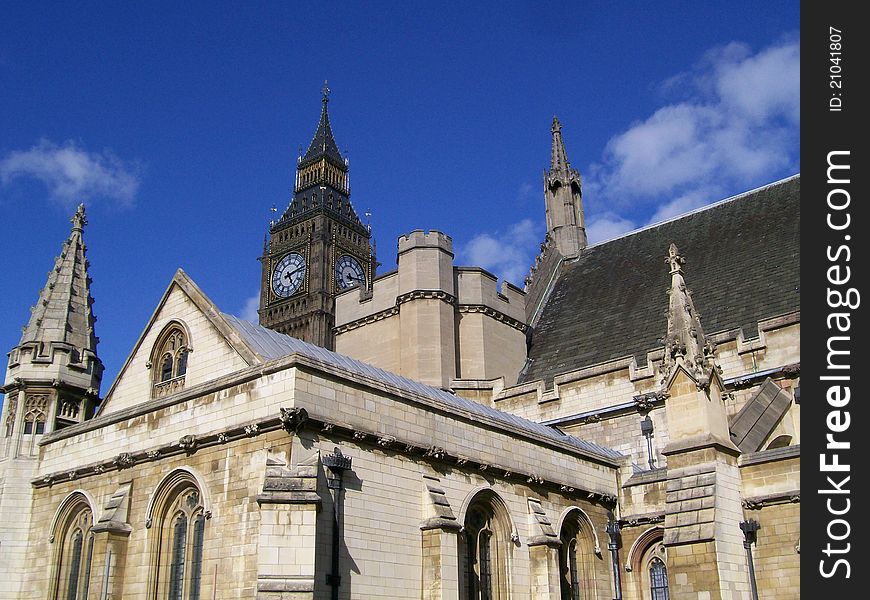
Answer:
x=289 y=274
x=348 y=272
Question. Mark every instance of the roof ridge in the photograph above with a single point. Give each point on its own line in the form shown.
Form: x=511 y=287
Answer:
x=697 y=210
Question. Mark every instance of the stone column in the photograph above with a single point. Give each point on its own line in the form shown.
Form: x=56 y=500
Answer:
x=441 y=562
x=440 y=536
x=288 y=527
x=544 y=547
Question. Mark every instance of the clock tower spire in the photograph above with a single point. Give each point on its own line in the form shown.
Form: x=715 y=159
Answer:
x=318 y=247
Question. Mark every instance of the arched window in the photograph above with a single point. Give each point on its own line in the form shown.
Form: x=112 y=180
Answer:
x=170 y=357
x=75 y=549
x=484 y=549
x=35 y=415
x=658 y=579
x=646 y=561
x=577 y=557
x=177 y=518
x=182 y=538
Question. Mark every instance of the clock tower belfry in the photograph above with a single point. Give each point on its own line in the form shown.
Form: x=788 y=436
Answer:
x=318 y=248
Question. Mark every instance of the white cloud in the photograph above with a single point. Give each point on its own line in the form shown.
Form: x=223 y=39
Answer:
x=249 y=310
x=736 y=122
x=73 y=174
x=607 y=226
x=683 y=204
x=507 y=254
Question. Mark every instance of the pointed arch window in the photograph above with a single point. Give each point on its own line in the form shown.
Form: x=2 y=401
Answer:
x=35 y=416
x=170 y=356
x=658 y=579
x=484 y=549
x=577 y=557
x=177 y=517
x=12 y=407
x=75 y=554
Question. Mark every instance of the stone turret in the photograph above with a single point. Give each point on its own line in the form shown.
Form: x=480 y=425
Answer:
x=562 y=194
x=56 y=359
x=52 y=381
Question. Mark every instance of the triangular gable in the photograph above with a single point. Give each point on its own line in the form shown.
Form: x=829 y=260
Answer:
x=216 y=348
x=756 y=421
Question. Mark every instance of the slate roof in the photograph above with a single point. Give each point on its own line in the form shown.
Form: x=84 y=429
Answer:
x=271 y=345
x=742 y=265
x=323 y=142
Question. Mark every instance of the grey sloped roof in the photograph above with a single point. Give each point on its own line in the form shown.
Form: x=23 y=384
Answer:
x=742 y=265
x=270 y=345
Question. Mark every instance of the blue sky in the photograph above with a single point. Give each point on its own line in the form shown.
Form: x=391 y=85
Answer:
x=178 y=125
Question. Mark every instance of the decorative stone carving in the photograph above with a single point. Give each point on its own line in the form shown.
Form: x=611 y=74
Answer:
x=188 y=443
x=292 y=419
x=435 y=452
x=223 y=437
x=152 y=454
x=252 y=430
x=327 y=427
x=535 y=479
x=359 y=435
x=124 y=460
x=386 y=441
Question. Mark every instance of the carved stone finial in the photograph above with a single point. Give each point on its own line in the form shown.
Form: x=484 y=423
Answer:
x=674 y=259
x=79 y=220
x=685 y=342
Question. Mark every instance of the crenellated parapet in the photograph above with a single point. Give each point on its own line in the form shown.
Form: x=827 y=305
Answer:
x=433 y=321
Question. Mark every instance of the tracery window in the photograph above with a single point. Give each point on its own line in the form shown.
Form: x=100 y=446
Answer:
x=182 y=537
x=484 y=548
x=170 y=359
x=177 y=518
x=35 y=415
x=75 y=553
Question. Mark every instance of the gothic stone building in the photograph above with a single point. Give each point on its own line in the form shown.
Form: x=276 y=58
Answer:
x=423 y=433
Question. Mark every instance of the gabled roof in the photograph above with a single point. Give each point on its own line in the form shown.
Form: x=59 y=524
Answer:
x=271 y=345
x=742 y=260
x=210 y=312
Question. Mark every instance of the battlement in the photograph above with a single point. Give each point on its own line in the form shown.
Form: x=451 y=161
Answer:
x=433 y=321
x=479 y=287
x=426 y=239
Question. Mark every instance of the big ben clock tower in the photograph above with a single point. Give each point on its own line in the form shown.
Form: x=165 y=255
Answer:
x=317 y=248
